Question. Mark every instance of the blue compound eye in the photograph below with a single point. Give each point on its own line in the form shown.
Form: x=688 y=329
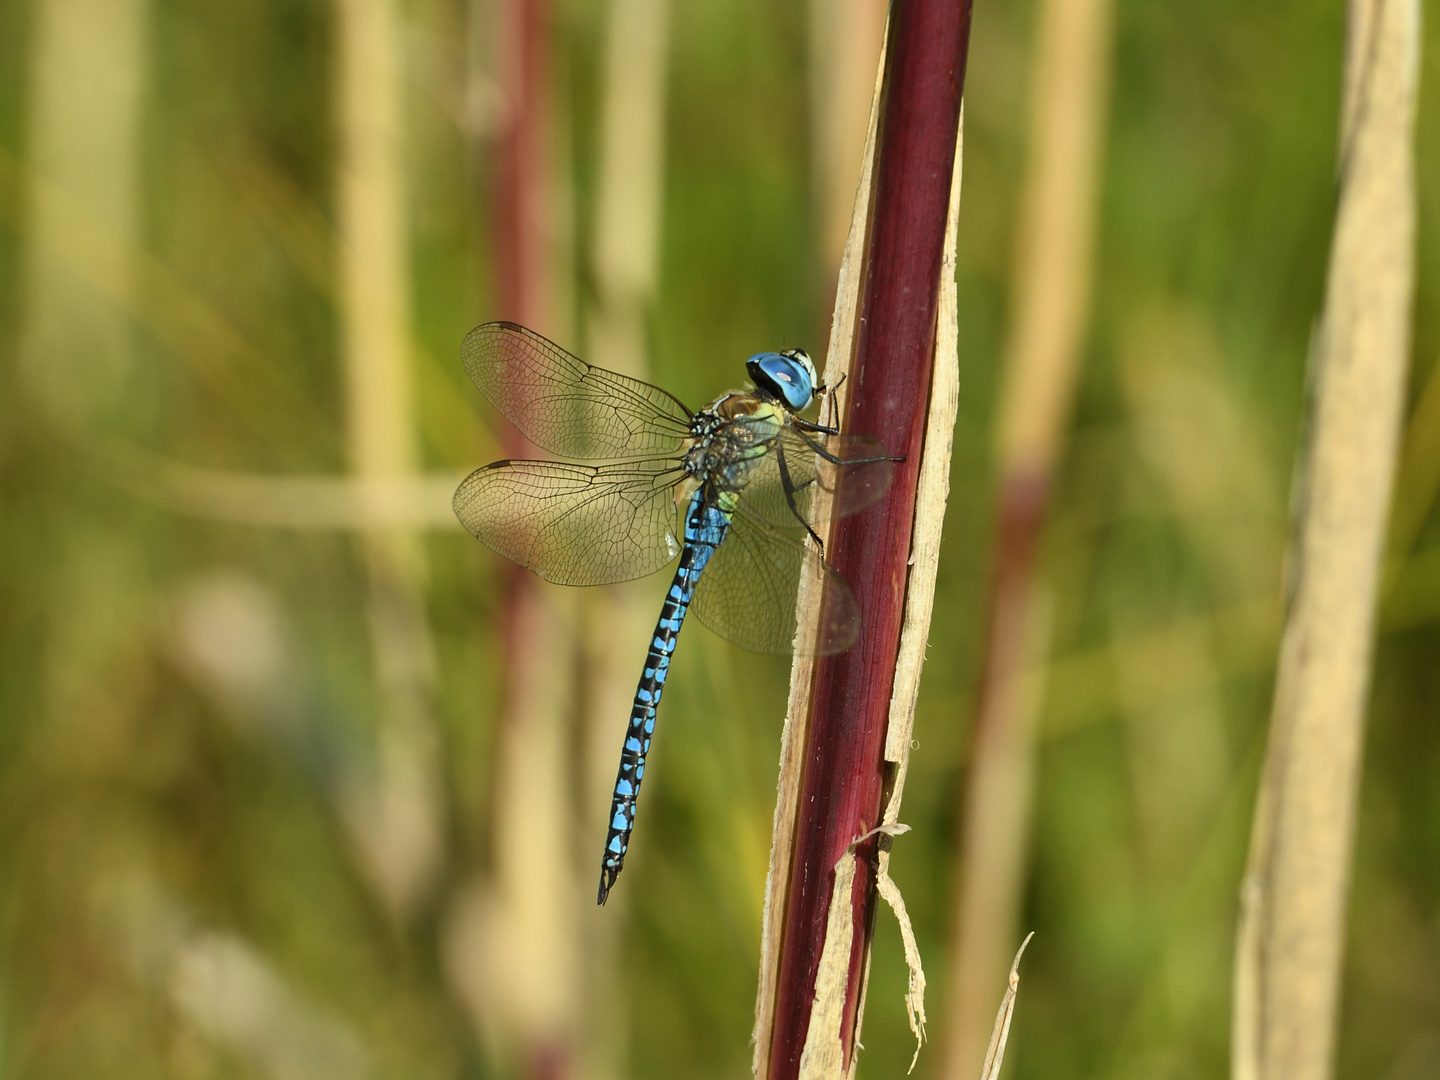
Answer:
x=789 y=376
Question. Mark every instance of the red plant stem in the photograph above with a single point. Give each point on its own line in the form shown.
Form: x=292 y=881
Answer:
x=1024 y=495
x=518 y=213
x=844 y=779
x=517 y=209
x=522 y=253
x=520 y=188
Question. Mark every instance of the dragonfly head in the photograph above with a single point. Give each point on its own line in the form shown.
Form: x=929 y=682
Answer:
x=788 y=375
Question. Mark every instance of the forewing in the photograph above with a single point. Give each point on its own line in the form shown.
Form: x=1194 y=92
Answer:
x=747 y=592
x=566 y=406
x=574 y=524
x=861 y=478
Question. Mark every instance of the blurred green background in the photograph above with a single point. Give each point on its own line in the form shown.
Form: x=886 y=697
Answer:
x=189 y=702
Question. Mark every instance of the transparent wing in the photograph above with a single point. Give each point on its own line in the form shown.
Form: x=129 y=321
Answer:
x=860 y=479
x=574 y=524
x=567 y=406
x=748 y=591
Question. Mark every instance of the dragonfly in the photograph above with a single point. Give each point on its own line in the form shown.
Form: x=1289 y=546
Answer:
x=735 y=490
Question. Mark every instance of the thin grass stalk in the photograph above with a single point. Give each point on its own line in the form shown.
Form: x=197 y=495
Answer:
x=302 y=503
x=394 y=812
x=626 y=246
x=845 y=42
x=846 y=778
x=1293 y=897
x=1051 y=290
x=631 y=175
x=84 y=149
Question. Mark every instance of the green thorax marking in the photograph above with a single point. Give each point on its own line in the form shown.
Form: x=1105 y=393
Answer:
x=732 y=430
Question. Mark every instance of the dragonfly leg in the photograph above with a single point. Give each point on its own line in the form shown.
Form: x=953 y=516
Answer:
x=788 y=486
x=830 y=392
x=807 y=425
x=838 y=460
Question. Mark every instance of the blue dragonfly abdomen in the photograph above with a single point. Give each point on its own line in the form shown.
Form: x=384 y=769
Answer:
x=751 y=477
x=706 y=526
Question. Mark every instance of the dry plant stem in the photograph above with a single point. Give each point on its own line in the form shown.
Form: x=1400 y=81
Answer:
x=394 y=816
x=631 y=174
x=1000 y=1033
x=1051 y=291
x=626 y=243
x=269 y=500
x=845 y=774
x=84 y=100
x=1293 y=897
x=845 y=42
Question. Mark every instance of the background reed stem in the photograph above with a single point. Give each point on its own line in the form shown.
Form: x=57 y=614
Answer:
x=1050 y=300
x=1294 y=894
x=625 y=246
x=88 y=78
x=392 y=810
x=521 y=936
x=845 y=42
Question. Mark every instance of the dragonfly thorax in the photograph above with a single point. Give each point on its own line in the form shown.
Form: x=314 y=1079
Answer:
x=729 y=439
